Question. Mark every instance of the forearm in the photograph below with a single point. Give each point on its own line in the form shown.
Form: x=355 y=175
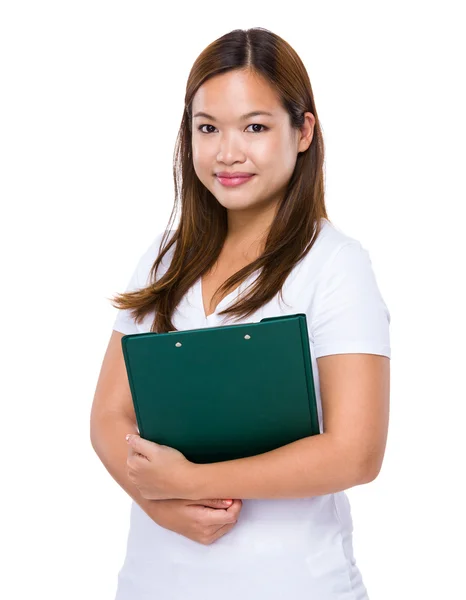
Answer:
x=109 y=442
x=312 y=466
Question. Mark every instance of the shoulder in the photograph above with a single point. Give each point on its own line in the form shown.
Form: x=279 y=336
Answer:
x=332 y=241
x=346 y=310
x=340 y=259
x=149 y=256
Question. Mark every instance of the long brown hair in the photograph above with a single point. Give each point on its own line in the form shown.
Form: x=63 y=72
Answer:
x=203 y=224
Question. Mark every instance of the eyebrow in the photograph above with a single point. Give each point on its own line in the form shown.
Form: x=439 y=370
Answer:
x=254 y=113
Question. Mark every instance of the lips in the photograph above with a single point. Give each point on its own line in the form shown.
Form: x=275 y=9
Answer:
x=235 y=180
x=233 y=175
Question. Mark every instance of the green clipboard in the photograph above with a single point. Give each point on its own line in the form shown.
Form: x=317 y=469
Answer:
x=226 y=392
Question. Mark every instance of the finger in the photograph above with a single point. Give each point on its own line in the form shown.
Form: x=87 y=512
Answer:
x=140 y=445
x=132 y=453
x=215 y=503
x=224 y=502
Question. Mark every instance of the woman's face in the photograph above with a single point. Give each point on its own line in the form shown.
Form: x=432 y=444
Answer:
x=263 y=145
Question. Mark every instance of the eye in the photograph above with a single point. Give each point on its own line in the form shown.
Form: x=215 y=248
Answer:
x=201 y=126
x=252 y=125
x=258 y=124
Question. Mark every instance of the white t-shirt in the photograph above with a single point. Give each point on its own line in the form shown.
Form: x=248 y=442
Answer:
x=299 y=548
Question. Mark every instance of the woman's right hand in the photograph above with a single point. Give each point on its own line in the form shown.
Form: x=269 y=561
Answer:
x=202 y=521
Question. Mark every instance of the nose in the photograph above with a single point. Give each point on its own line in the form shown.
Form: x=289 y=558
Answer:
x=230 y=148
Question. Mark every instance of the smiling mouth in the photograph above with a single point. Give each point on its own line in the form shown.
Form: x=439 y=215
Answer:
x=233 y=181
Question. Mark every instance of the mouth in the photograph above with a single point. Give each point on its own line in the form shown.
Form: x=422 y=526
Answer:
x=234 y=181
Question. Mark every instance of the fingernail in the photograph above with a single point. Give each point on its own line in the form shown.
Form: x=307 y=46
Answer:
x=227 y=501
x=127 y=437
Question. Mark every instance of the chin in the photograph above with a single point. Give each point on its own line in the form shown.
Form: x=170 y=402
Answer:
x=239 y=204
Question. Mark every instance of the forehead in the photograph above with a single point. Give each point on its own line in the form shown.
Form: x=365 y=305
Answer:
x=234 y=94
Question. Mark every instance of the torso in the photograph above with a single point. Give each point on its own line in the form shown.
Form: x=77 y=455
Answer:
x=213 y=279
x=233 y=257
x=293 y=544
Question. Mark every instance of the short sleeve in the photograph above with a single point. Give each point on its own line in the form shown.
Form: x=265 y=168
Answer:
x=124 y=321
x=348 y=313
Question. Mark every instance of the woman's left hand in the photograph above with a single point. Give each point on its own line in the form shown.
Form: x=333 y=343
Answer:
x=159 y=472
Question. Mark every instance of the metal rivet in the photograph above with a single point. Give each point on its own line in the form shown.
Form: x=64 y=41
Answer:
x=247 y=337
x=178 y=344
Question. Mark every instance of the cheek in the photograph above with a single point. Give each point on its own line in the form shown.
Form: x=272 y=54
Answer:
x=202 y=166
x=202 y=161
x=197 y=155
x=282 y=156
x=268 y=160
x=265 y=152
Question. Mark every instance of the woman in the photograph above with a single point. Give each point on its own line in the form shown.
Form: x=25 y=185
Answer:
x=250 y=246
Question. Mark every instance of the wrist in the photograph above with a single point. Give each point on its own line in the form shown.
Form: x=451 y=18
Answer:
x=194 y=480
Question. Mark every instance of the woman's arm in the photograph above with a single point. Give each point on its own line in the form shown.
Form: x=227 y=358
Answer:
x=112 y=417
x=355 y=390
x=108 y=440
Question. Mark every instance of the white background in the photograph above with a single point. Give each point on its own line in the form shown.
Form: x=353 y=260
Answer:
x=91 y=101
